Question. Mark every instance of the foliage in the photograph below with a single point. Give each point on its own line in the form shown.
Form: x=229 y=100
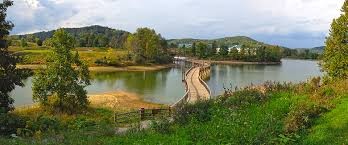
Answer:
x=9 y=123
x=146 y=46
x=302 y=116
x=60 y=87
x=161 y=126
x=92 y=36
x=198 y=111
x=24 y=43
x=201 y=49
x=335 y=56
x=9 y=75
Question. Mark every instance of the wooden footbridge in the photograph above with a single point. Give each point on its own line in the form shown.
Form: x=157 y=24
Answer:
x=196 y=90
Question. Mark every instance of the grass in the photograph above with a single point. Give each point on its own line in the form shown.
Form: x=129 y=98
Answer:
x=38 y=55
x=245 y=117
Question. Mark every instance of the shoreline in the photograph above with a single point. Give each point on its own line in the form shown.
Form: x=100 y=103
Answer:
x=107 y=68
x=119 y=101
x=240 y=62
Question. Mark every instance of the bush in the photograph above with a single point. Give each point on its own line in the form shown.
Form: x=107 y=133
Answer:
x=39 y=125
x=244 y=97
x=81 y=122
x=199 y=111
x=9 y=123
x=301 y=116
x=163 y=59
x=161 y=126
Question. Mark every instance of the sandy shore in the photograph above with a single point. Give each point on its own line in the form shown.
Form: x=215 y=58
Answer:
x=108 y=68
x=120 y=101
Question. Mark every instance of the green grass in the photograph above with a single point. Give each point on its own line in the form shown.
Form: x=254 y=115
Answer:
x=331 y=128
x=38 y=55
x=247 y=117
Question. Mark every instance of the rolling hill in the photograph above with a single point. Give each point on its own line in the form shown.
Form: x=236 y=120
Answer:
x=243 y=40
x=91 y=36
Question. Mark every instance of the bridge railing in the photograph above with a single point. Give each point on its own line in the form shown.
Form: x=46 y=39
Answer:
x=202 y=81
x=186 y=96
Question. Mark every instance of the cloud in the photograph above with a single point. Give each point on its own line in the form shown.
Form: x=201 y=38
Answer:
x=272 y=21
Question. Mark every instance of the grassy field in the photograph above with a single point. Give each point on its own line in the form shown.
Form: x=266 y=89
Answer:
x=37 y=55
x=307 y=113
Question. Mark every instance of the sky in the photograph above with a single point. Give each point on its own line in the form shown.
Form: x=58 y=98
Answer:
x=290 y=23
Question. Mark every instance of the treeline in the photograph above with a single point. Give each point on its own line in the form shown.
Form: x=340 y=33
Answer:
x=92 y=36
x=216 y=51
x=300 y=53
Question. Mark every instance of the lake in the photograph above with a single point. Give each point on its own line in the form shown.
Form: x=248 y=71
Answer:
x=165 y=86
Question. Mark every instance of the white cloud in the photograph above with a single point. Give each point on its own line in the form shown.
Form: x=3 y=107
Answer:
x=183 y=18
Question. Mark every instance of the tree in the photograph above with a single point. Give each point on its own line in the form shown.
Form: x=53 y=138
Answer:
x=193 y=49
x=223 y=50
x=24 y=43
x=212 y=50
x=234 y=54
x=147 y=46
x=38 y=42
x=202 y=49
x=60 y=87
x=9 y=75
x=335 y=56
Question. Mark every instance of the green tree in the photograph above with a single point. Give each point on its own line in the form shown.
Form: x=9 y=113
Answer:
x=38 y=42
x=60 y=87
x=9 y=75
x=202 y=49
x=223 y=50
x=234 y=54
x=193 y=49
x=335 y=56
x=212 y=50
x=147 y=46
x=24 y=43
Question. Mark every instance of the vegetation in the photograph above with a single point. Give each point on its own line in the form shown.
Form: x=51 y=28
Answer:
x=60 y=87
x=148 y=47
x=92 y=36
x=335 y=57
x=9 y=75
x=302 y=53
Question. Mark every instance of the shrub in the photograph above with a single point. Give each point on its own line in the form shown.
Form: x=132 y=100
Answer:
x=244 y=97
x=9 y=123
x=161 y=126
x=39 y=125
x=301 y=116
x=199 y=111
x=81 y=122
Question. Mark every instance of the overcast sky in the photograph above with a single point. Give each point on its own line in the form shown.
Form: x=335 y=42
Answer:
x=291 y=23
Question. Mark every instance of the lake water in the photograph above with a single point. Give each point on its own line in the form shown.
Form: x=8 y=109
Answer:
x=165 y=86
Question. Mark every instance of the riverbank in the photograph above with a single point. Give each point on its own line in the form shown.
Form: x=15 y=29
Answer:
x=240 y=62
x=120 y=101
x=107 y=68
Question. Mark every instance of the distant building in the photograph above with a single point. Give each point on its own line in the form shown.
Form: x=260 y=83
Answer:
x=187 y=45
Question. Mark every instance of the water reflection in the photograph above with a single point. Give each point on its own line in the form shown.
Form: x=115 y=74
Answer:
x=165 y=86
x=241 y=75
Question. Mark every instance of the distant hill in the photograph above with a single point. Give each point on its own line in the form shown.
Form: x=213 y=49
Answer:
x=319 y=50
x=241 y=40
x=91 y=36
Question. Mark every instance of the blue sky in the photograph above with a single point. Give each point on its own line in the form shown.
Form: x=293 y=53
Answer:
x=291 y=23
